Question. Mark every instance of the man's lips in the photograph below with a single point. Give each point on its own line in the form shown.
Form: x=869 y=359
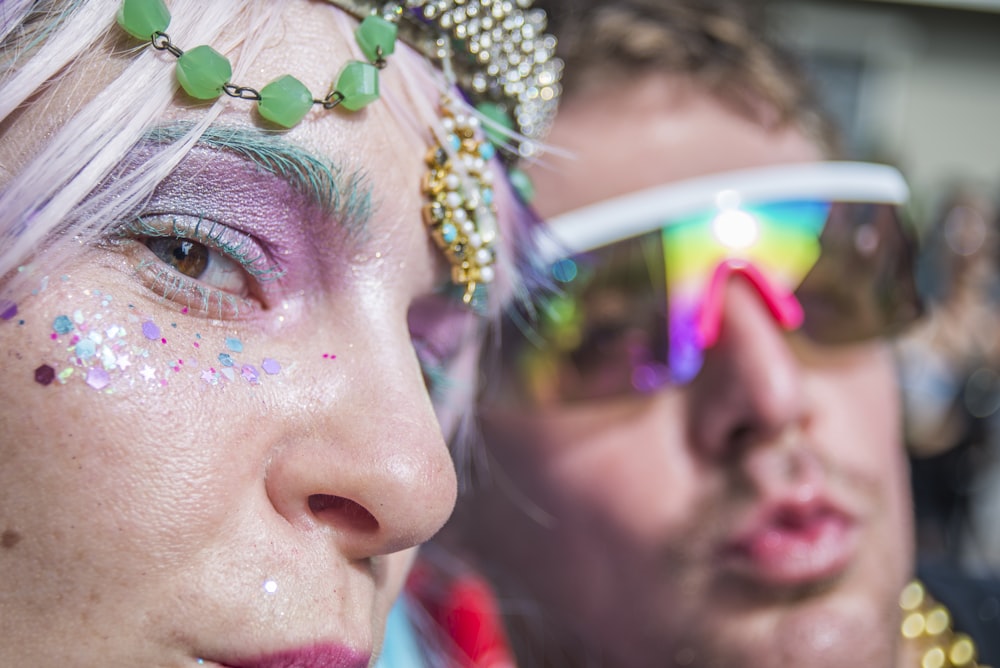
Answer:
x=317 y=656
x=792 y=544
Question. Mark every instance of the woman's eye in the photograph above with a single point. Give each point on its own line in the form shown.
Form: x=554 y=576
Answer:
x=198 y=261
x=204 y=266
x=185 y=256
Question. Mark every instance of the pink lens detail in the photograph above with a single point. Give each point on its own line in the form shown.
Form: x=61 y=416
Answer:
x=779 y=300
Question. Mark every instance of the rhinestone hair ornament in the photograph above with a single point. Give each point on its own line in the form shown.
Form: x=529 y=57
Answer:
x=501 y=57
x=494 y=51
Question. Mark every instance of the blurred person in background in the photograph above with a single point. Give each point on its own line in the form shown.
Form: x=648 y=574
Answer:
x=950 y=376
x=694 y=440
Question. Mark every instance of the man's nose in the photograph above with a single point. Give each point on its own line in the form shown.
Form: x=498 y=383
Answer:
x=750 y=388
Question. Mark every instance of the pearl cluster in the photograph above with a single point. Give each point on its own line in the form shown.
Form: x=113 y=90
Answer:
x=510 y=58
x=460 y=212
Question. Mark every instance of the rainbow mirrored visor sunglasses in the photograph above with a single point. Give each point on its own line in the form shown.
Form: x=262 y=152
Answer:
x=638 y=282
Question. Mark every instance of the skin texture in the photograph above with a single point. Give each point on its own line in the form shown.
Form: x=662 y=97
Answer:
x=167 y=518
x=616 y=515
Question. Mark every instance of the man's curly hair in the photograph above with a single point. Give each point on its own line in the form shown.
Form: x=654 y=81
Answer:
x=724 y=46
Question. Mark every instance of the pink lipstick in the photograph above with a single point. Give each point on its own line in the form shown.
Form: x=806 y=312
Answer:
x=317 y=656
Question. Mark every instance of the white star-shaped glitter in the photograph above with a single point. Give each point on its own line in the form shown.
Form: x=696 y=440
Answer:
x=148 y=372
x=123 y=362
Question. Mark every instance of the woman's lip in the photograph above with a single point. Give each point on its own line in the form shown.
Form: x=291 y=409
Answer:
x=316 y=656
x=792 y=544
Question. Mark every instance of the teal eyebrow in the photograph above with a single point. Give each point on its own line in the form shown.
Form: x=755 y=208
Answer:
x=346 y=196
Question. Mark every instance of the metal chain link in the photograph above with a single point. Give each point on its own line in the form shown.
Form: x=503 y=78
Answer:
x=161 y=42
x=241 y=92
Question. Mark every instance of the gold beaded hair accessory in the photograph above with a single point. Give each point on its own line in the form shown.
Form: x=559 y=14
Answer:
x=460 y=213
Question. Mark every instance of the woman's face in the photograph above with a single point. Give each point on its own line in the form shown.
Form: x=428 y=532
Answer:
x=215 y=434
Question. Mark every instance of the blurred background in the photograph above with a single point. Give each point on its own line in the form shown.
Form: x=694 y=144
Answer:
x=917 y=84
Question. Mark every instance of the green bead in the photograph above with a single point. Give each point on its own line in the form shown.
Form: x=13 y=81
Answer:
x=376 y=32
x=202 y=71
x=141 y=18
x=495 y=113
x=285 y=101
x=522 y=184
x=358 y=83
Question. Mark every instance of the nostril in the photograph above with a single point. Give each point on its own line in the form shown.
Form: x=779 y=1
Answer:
x=341 y=512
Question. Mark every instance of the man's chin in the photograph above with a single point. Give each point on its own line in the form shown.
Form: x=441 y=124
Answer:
x=827 y=632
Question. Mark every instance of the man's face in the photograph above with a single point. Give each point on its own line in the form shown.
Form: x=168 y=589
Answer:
x=758 y=515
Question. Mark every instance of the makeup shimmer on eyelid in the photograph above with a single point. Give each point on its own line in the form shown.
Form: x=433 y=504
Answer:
x=302 y=208
x=95 y=345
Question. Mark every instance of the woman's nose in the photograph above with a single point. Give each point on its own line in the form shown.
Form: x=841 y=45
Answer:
x=750 y=389
x=365 y=458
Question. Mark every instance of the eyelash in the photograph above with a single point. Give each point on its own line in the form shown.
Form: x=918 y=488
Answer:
x=192 y=293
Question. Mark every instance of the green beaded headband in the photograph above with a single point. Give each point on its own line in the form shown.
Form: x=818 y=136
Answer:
x=497 y=53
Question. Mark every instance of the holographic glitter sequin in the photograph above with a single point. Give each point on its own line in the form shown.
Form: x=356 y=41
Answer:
x=150 y=330
x=250 y=374
x=62 y=325
x=8 y=309
x=44 y=374
x=98 y=378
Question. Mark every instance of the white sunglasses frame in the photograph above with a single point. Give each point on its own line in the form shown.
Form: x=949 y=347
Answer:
x=636 y=213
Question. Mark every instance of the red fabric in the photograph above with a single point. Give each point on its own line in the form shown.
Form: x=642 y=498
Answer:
x=467 y=612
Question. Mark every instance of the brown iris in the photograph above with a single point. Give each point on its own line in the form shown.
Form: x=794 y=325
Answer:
x=186 y=256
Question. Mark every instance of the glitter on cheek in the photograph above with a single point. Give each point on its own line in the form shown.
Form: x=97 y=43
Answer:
x=85 y=349
x=8 y=309
x=329 y=356
x=150 y=330
x=250 y=374
x=270 y=586
x=44 y=374
x=98 y=378
x=103 y=350
x=62 y=325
